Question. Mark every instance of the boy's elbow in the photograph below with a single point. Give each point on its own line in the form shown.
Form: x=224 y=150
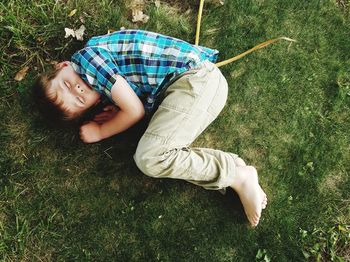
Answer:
x=139 y=113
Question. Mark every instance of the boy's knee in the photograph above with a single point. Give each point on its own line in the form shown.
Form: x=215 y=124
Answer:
x=147 y=161
x=220 y=96
x=140 y=161
x=252 y=170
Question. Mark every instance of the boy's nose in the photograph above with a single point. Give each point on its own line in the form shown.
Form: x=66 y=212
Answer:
x=80 y=89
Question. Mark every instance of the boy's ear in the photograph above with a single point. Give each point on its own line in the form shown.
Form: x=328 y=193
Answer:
x=62 y=64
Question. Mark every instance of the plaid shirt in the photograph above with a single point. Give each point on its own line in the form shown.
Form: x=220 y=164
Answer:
x=147 y=61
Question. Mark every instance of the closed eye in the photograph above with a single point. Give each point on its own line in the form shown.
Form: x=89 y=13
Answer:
x=67 y=84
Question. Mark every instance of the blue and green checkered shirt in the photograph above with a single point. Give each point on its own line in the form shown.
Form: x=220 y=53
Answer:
x=147 y=61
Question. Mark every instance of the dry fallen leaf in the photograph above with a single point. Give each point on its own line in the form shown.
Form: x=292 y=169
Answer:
x=137 y=7
x=139 y=16
x=72 y=12
x=22 y=73
x=78 y=34
x=69 y=32
x=40 y=39
x=82 y=19
x=110 y=30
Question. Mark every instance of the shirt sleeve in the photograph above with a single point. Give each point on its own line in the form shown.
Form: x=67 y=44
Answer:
x=96 y=66
x=208 y=53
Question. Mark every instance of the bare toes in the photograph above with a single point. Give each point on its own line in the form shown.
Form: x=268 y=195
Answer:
x=264 y=203
x=255 y=221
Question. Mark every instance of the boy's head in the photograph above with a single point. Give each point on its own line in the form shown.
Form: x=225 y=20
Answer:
x=61 y=95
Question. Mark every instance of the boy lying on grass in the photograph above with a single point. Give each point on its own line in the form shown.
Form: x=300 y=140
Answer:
x=137 y=71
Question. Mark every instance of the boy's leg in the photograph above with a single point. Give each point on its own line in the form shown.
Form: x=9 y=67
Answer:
x=190 y=105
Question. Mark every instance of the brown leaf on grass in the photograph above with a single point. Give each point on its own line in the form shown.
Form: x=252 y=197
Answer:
x=21 y=73
x=82 y=19
x=137 y=14
x=40 y=39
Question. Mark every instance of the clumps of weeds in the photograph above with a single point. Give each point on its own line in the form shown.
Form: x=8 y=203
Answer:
x=327 y=244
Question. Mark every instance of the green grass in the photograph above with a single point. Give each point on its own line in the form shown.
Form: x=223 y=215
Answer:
x=288 y=114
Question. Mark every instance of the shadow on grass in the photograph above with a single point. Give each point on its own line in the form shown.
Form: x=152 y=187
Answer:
x=232 y=203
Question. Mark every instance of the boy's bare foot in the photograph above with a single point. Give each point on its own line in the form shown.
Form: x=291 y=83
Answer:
x=240 y=162
x=252 y=196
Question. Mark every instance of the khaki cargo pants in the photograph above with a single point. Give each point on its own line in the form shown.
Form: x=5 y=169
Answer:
x=191 y=103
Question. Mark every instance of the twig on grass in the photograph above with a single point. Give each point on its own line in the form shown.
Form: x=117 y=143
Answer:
x=107 y=152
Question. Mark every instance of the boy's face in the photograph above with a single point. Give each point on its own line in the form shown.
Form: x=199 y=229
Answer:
x=72 y=93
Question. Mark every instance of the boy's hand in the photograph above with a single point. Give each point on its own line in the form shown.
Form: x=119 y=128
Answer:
x=108 y=113
x=90 y=132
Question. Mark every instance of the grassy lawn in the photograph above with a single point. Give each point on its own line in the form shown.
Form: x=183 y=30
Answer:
x=288 y=114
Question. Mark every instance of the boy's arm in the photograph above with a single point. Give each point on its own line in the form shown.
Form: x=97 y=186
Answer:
x=131 y=111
